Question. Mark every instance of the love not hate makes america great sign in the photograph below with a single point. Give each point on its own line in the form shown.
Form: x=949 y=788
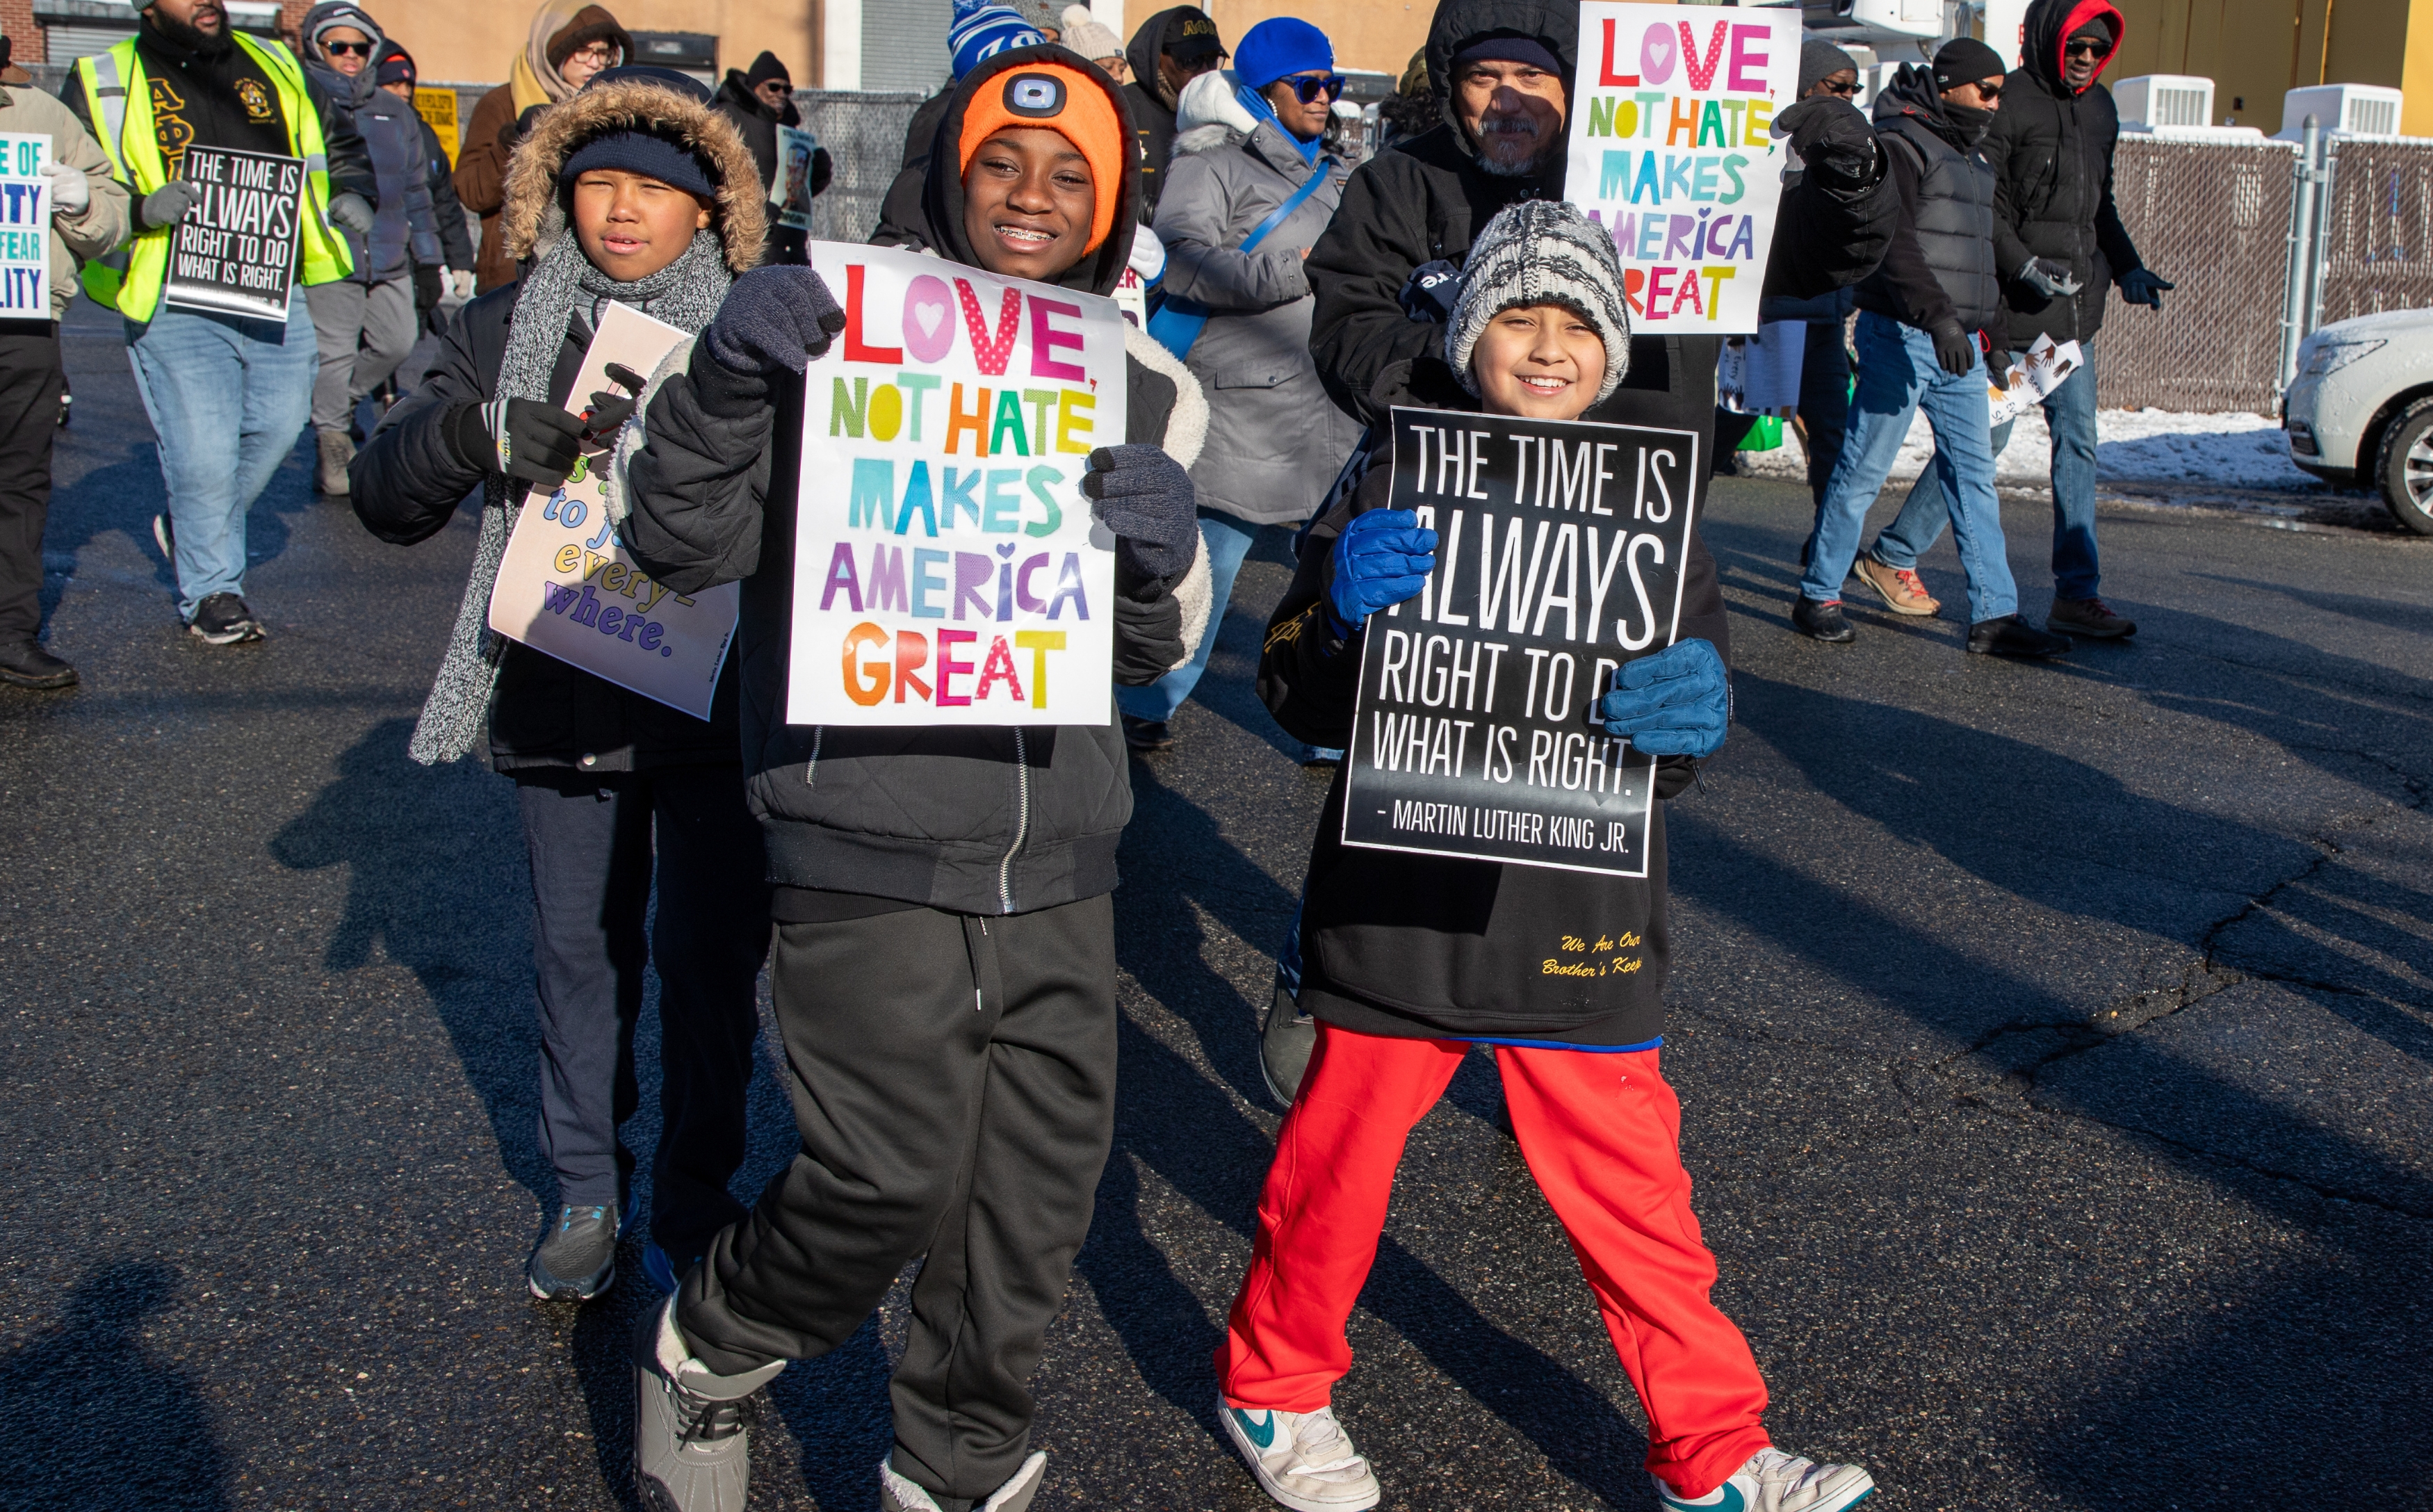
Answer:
x=946 y=569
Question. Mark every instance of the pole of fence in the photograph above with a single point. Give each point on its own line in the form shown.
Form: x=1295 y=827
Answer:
x=2297 y=304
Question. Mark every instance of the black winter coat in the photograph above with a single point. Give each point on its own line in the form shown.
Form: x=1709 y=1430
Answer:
x=758 y=124
x=2051 y=151
x=406 y=484
x=1940 y=265
x=1153 y=110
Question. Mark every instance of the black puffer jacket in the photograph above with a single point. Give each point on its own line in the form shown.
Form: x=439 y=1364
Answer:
x=1940 y=265
x=972 y=820
x=1426 y=200
x=2051 y=151
x=1152 y=107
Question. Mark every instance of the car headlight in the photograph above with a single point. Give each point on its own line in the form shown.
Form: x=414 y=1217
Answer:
x=2332 y=356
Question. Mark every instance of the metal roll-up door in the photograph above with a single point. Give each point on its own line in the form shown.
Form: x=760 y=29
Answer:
x=903 y=45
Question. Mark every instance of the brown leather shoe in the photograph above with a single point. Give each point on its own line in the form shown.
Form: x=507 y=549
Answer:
x=2091 y=618
x=1902 y=590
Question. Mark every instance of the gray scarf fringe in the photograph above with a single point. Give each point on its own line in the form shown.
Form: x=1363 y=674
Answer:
x=685 y=294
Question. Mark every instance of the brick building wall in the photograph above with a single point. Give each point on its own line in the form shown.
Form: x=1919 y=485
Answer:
x=25 y=37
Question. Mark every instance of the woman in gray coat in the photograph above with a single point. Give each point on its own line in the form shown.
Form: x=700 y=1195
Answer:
x=1248 y=142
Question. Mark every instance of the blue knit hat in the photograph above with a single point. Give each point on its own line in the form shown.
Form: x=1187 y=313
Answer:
x=980 y=32
x=1278 y=46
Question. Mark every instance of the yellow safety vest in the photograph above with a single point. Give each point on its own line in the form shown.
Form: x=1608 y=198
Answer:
x=119 y=101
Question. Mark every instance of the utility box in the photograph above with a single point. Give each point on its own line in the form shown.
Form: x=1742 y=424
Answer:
x=2165 y=99
x=2352 y=109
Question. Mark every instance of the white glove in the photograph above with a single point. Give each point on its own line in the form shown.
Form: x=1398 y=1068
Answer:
x=1149 y=255
x=463 y=280
x=70 y=191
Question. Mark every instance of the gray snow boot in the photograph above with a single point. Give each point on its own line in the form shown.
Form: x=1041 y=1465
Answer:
x=337 y=450
x=897 y=1494
x=693 y=1430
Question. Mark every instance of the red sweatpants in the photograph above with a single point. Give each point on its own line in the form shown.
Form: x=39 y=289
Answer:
x=1602 y=1135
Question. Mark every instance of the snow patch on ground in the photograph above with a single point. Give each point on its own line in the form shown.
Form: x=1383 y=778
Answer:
x=2245 y=452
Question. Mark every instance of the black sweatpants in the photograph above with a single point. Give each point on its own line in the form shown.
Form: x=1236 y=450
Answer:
x=30 y=417
x=953 y=1081
x=595 y=844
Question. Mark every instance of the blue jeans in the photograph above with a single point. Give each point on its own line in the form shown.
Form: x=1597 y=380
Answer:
x=227 y=401
x=1898 y=375
x=1227 y=540
x=2069 y=412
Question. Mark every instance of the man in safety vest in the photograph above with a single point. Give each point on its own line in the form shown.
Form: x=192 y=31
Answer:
x=227 y=393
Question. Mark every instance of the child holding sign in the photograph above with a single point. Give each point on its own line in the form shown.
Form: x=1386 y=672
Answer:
x=631 y=193
x=944 y=973
x=1410 y=960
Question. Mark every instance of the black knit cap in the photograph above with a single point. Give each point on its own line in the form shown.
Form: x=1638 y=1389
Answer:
x=1965 y=60
x=764 y=69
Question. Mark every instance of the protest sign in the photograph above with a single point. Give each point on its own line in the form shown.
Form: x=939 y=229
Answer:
x=789 y=181
x=1560 y=556
x=946 y=569
x=2031 y=379
x=1672 y=152
x=235 y=252
x=25 y=228
x=566 y=586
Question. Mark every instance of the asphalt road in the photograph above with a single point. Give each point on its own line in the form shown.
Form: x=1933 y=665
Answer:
x=2055 y=1041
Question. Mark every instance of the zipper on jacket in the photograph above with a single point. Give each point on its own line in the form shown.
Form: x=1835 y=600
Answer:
x=1021 y=825
x=811 y=768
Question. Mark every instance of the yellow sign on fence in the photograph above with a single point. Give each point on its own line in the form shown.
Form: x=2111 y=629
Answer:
x=437 y=107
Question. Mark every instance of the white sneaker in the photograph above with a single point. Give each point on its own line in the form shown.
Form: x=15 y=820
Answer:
x=1302 y=1459
x=1772 y=1481
x=897 y=1494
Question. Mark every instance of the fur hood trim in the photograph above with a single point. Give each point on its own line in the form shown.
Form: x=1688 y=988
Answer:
x=1187 y=428
x=1213 y=137
x=530 y=218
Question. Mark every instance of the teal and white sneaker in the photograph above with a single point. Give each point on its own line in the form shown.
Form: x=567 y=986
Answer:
x=1772 y=1481
x=1302 y=1459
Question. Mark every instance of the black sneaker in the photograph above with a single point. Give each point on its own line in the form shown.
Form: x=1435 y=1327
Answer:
x=576 y=1257
x=25 y=664
x=223 y=620
x=2011 y=636
x=1285 y=1041
x=1147 y=735
x=1821 y=621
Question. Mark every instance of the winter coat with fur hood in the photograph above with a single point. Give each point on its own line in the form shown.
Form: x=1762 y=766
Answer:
x=2051 y=151
x=1274 y=442
x=409 y=479
x=970 y=821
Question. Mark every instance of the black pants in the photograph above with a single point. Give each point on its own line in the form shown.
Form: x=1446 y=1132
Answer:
x=592 y=842
x=30 y=380
x=954 y=1084
x=1824 y=402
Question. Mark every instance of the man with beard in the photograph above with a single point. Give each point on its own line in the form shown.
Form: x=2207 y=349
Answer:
x=225 y=395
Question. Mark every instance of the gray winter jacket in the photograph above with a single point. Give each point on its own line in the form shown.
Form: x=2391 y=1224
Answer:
x=1275 y=442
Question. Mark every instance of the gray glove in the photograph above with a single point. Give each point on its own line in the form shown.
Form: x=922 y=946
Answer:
x=1146 y=497
x=168 y=204
x=2047 y=278
x=353 y=212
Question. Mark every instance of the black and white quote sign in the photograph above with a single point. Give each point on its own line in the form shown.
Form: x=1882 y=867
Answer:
x=235 y=252
x=1560 y=556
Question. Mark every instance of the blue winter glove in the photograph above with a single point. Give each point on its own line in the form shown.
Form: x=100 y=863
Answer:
x=1382 y=558
x=2138 y=286
x=1146 y=497
x=1676 y=703
x=774 y=317
x=1431 y=292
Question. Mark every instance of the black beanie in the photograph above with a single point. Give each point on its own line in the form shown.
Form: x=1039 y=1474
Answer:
x=653 y=157
x=1821 y=61
x=765 y=68
x=1965 y=60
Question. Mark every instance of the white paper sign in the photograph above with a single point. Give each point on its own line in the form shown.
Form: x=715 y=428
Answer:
x=568 y=588
x=25 y=228
x=2031 y=380
x=946 y=571
x=789 y=183
x=1672 y=152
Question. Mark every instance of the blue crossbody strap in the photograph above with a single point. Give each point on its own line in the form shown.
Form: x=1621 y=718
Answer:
x=1177 y=324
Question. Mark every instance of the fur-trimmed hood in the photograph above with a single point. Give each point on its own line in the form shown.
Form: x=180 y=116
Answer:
x=532 y=216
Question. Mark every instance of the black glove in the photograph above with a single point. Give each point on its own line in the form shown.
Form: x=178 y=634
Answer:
x=822 y=169
x=168 y=204
x=1955 y=348
x=1834 y=140
x=609 y=410
x=429 y=285
x=1431 y=292
x=526 y=438
x=2138 y=286
x=2051 y=279
x=1146 y=497
x=774 y=317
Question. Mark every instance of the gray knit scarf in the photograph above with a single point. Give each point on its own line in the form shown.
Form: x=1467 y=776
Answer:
x=685 y=294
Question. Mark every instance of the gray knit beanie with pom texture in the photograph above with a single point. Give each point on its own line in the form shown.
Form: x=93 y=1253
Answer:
x=1543 y=251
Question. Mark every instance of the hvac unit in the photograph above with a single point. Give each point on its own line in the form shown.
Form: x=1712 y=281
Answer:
x=2163 y=99
x=1865 y=19
x=2354 y=110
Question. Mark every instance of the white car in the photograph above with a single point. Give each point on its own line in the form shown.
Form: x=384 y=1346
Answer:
x=2360 y=410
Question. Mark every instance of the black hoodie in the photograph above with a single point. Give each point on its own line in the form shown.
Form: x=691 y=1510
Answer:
x=1153 y=106
x=2051 y=151
x=973 y=821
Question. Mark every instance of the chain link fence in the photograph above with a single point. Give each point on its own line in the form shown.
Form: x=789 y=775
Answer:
x=2377 y=247
x=864 y=135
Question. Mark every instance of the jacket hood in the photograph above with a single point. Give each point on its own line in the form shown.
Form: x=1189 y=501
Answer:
x=737 y=92
x=347 y=91
x=1151 y=41
x=532 y=216
x=1459 y=22
x=1911 y=93
x=2050 y=23
x=1209 y=100
x=942 y=188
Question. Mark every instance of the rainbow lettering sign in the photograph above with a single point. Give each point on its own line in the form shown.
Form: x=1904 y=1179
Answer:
x=946 y=569
x=1672 y=153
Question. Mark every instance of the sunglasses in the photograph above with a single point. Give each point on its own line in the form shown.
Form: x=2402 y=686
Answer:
x=360 y=49
x=1845 y=91
x=1306 y=90
x=2084 y=49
